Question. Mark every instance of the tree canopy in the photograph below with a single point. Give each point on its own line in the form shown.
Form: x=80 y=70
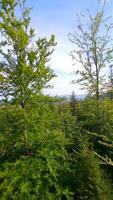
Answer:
x=52 y=148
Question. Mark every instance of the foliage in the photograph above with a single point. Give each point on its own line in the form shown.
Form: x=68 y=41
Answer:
x=92 y=50
x=23 y=65
x=50 y=148
x=73 y=104
x=89 y=181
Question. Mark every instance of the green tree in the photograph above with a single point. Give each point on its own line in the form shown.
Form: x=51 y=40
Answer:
x=73 y=104
x=32 y=149
x=92 y=52
x=23 y=64
x=88 y=181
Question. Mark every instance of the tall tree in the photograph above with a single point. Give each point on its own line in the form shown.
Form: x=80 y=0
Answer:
x=73 y=104
x=32 y=149
x=92 y=50
x=23 y=63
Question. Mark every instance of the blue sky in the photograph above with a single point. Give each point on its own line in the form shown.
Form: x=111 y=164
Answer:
x=59 y=17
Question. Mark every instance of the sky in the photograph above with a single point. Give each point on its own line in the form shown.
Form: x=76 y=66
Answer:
x=58 y=17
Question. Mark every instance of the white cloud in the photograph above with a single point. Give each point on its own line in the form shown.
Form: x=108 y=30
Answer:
x=63 y=67
x=62 y=63
x=62 y=86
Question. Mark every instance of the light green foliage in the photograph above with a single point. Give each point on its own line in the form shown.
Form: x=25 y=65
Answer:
x=33 y=154
x=36 y=175
x=23 y=69
x=93 y=50
x=47 y=150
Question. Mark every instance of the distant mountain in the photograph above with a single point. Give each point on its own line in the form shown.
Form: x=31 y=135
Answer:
x=67 y=97
x=81 y=96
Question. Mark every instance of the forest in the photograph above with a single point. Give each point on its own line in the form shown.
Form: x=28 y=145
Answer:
x=53 y=148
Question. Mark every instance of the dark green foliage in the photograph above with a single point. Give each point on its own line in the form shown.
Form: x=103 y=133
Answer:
x=36 y=173
x=50 y=149
x=33 y=152
x=87 y=179
x=89 y=182
x=32 y=149
x=73 y=104
x=99 y=121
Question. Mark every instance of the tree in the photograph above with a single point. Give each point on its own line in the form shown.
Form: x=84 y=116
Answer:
x=92 y=51
x=88 y=181
x=73 y=104
x=23 y=65
x=32 y=146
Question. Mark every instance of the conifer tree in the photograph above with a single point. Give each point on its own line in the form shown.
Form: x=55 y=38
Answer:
x=73 y=104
